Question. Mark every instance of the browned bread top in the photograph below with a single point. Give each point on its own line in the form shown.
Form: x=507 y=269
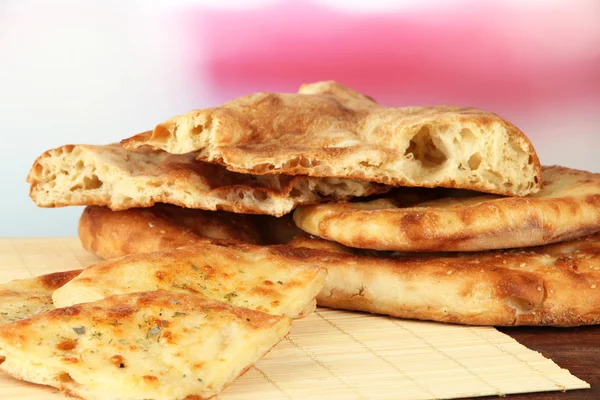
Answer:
x=329 y=130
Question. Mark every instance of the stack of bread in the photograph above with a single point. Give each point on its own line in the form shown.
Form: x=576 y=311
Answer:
x=222 y=225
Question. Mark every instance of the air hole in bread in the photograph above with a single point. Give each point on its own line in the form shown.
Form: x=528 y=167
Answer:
x=2 y=359
x=92 y=182
x=423 y=149
x=260 y=195
x=295 y=192
x=475 y=161
x=467 y=136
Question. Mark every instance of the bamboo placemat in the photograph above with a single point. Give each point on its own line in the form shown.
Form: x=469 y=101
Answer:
x=340 y=355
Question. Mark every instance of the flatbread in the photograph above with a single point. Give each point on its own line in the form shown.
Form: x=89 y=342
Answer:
x=110 y=234
x=242 y=275
x=120 y=179
x=152 y=345
x=557 y=285
x=567 y=207
x=22 y=298
x=329 y=130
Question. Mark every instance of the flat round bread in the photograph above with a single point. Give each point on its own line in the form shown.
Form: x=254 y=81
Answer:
x=567 y=207
x=329 y=130
x=551 y=285
x=556 y=285
x=109 y=175
x=110 y=234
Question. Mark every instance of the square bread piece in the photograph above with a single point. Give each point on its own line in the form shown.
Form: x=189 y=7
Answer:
x=150 y=345
x=22 y=298
x=239 y=274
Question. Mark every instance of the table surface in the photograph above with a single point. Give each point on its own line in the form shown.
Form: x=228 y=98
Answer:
x=576 y=349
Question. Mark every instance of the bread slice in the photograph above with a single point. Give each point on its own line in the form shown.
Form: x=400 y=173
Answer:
x=151 y=345
x=329 y=130
x=567 y=207
x=554 y=285
x=22 y=298
x=120 y=179
x=110 y=234
x=242 y=275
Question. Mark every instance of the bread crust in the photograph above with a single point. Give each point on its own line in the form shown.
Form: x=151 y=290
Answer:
x=112 y=176
x=240 y=274
x=554 y=285
x=22 y=298
x=329 y=130
x=136 y=344
x=567 y=207
x=110 y=234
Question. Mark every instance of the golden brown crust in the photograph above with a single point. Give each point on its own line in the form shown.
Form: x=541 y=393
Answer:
x=24 y=297
x=240 y=274
x=329 y=130
x=567 y=207
x=110 y=234
x=557 y=285
x=114 y=177
x=136 y=344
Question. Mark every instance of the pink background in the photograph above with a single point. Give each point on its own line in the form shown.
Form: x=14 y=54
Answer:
x=96 y=72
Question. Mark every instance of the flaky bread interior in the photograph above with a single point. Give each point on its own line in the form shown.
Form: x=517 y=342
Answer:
x=242 y=275
x=151 y=345
x=329 y=130
x=120 y=179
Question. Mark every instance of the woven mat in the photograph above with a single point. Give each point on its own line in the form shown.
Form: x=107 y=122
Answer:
x=340 y=355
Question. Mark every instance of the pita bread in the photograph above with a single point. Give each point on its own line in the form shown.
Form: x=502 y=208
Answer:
x=152 y=345
x=242 y=275
x=24 y=297
x=329 y=130
x=110 y=234
x=567 y=207
x=114 y=177
x=556 y=285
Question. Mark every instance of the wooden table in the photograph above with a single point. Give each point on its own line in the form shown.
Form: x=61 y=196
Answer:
x=576 y=349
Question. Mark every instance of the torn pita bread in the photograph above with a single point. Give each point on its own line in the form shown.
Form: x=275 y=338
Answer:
x=120 y=179
x=329 y=130
x=242 y=275
x=567 y=207
x=152 y=345
x=22 y=298
x=110 y=234
x=556 y=285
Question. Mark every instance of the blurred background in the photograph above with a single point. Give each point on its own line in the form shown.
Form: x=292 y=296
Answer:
x=97 y=72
